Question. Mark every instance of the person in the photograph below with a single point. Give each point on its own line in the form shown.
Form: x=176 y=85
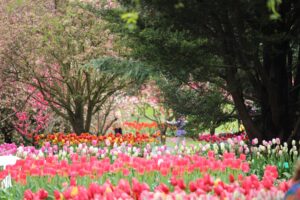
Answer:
x=294 y=192
x=117 y=125
x=180 y=132
x=241 y=128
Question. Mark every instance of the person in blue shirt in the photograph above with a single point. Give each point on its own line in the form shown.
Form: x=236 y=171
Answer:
x=294 y=192
x=180 y=132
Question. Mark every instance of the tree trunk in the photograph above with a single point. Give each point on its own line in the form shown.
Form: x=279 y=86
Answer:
x=212 y=130
x=78 y=126
x=274 y=98
x=8 y=137
x=251 y=129
x=55 y=4
x=236 y=92
x=88 y=119
x=295 y=94
x=78 y=119
x=276 y=108
x=163 y=132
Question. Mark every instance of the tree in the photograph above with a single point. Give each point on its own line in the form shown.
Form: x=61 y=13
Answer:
x=152 y=106
x=234 y=45
x=13 y=98
x=106 y=116
x=206 y=106
x=58 y=57
x=34 y=118
x=8 y=100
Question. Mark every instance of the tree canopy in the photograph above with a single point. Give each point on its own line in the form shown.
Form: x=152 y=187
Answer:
x=233 y=44
x=68 y=56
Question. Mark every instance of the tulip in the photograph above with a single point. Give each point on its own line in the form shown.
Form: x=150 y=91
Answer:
x=262 y=148
x=162 y=188
x=28 y=195
x=295 y=153
x=277 y=141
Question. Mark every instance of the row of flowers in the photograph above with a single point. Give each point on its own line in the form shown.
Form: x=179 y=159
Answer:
x=138 y=126
x=74 y=139
x=126 y=165
x=206 y=188
x=272 y=152
x=8 y=149
x=223 y=137
x=188 y=176
x=238 y=171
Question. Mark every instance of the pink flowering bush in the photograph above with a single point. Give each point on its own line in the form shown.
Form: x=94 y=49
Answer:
x=8 y=149
x=34 y=118
x=223 y=137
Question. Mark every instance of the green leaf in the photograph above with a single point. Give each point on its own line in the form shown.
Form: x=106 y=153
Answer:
x=130 y=19
x=287 y=175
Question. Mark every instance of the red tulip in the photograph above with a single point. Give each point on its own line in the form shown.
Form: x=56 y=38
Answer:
x=94 y=190
x=267 y=183
x=72 y=181
x=243 y=156
x=42 y=194
x=28 y=195
x=162 y=188
x=58 y=195
x=231 y=178
x=284 y=186
x=218 y=190
x=192 y=186
x=173 y=181
x=124 y=185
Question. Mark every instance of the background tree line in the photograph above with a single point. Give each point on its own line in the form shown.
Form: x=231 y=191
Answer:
x=234 y=45
x=205 y=55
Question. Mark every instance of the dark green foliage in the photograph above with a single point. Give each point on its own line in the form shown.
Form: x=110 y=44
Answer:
x=6 y=123
x=205 y=106
x=233 y=44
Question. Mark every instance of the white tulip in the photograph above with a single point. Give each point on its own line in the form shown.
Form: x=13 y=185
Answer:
x=247 y=150
x=262 y=148
x=41 y=154
x=294 y=148
x=265 y=143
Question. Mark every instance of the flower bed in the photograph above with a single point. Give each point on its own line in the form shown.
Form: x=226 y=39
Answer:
x=231 y=169
x=272 y=152
x=8 y=149
x=73 y=139
x=201 y=188
x=165 y=165
x=223 y=137
x=141 y=178
x=139 y=126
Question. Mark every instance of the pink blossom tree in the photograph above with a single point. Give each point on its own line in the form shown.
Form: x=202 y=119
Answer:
x=34 y=119
x=151 y=106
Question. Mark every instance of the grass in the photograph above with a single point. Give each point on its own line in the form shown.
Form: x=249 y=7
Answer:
x=226 y=127
x=171 y=141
